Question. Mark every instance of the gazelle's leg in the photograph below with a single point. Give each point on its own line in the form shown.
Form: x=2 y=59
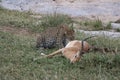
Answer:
x=55 y=53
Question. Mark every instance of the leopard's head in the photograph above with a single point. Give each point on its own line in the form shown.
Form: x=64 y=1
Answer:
x=69 y=32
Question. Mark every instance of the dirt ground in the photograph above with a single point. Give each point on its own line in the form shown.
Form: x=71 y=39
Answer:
x=18 y=31
x=103 y=5
x=106 y=10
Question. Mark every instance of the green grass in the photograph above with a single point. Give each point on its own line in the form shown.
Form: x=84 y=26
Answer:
x=101 y=41
x=24 y=20
x=19 y=20
x=96 y=24
x=17 y=54
x=53 y=20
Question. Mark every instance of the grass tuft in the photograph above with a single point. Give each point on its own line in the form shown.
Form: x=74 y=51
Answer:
x=95 y=24
x=54 y=20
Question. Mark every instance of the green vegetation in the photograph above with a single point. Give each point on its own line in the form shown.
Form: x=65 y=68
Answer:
x=97 y=24
x=19 y=20
x=53 y=20
x=108 y=26
x=118 y=30
x=102 y=42
x=94 y=25
x=17 y=54
x=24 y=20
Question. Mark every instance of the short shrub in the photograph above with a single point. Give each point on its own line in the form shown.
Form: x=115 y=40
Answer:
x=54 y=20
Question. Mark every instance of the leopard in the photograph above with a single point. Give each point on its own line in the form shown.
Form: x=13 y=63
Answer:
x=55 y=37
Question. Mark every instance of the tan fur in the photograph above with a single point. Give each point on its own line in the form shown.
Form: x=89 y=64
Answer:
x=72 y=50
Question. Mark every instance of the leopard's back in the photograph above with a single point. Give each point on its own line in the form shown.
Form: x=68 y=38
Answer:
x=53 y=37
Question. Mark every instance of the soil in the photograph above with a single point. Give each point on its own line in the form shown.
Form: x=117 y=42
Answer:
x=18 y=31
x=106 y=10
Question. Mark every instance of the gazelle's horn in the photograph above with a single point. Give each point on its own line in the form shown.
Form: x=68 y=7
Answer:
x=82 y=45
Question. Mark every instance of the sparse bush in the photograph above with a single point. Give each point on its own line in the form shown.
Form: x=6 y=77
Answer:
x=54 y=20
x=95 y=24
x=118 y=30
x=116 y=59
x=108 y=26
